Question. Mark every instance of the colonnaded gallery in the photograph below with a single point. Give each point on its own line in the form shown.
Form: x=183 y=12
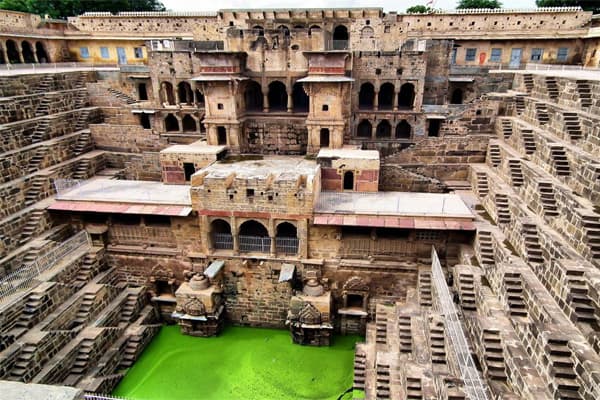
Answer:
x=428 y=181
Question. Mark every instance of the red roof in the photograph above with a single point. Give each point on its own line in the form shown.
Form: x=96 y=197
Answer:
x=120 y=208
x=395 y=222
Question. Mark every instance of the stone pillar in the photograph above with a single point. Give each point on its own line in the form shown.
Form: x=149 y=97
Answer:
x=176 y=90
x=205 y=233
x=290 y=103
x=273 y=249
x=35 y=57
x=374 y=131
x=376 y=101
x=5 y=53
x=20 y=51
x=234 y=233
x=396 y=100
x=265 y=102
x=211 y=134
x=302 y=231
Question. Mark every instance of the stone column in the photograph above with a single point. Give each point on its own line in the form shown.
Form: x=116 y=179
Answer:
x=374 y=131
x=302 y=231
x=205 y=233
x=396 y=100
x=177 y=99
x=20 y=51
x=234 y=233
x=265 y=102
x=376 y=101
x=5 y=53
x=290 y=103
x=273 y=249
x=35 y=57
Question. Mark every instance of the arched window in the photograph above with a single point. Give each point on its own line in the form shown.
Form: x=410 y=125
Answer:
x=189 y=124
x=258 y=30
x=142 y=92
x=12 y=52
x=171 y=123
x=199 y=97
x=457 y=96
x=384 y=129
x=403 y=130
x=366 y=96
x=364 y=129
x=167 y=96
x=254 y=236
x=27 y=52
x=277 y=96
x=324 y=137
x=253 y=96
x=348 y=180
x=406 y=97
x=2 y=59
x=284 y=29
x=367 y=32
x=300 y=98
x=386 y=96
x=286 y=238
x=145 y=121
x=221 y=235
x=41 y=53
x=340 y=38
x=221 y=136
x=184 y=90
x=314 y=28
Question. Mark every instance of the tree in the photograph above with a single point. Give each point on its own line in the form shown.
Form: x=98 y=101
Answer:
x=588 y=5
x=418 y=10
x=479 y=4
x=66 y=8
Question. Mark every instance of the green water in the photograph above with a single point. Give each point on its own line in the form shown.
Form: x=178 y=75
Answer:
x=241 y=363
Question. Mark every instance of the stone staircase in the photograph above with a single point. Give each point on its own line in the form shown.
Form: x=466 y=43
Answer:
x=83 y=312
x=43 y=107
x=83 y=357
x=414 y=389
x=87 y=269
x=82 y=120
x=546 y=190
x=82 y=79
x=507 y=128
x=486 y=248
x=381 y=326
x=578 y=297
x=83 y=143
x=585 y=93
x=23 y=362
x=383 y=381
x=541 y=113
x=572 y=125
x=36 y=161
x=466 y=289
x=30 y=311
x=31 y=225
x=514 y=294
x=32 y=195
x=494 y=151
x=424 y=285
x=121 y=96
x=360 y=360
x=493 y=355
x=520 y=103
x=528 y=81
x=562 y=369
x=516 y=173
x=591 y=225
x=82 y=169
x=129 y=308
x=551 y=87
x=41 y=128
x=405 y=334
x=45 y=85
x=482 y=183
x=533 y=250
x=502 y=209
x=559 y=160
x=437 y=342
x=528 y=141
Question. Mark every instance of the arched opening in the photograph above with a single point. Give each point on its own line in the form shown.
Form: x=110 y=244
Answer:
x=12 y=52
x=457 y=96
x=340 y=38
x=2 y=59
x=386 y=96
x=314 y=28
x=145 y=121
x=364 y=129
x=41 y=53
x=189 y=169
x=258 y=30
x=171 y=123
x=27 y=52
x=403 y=130
x=300 y=98
x=253 y=97
x=221 y=236
x=184 y=90
x=367 y=32
x=142 y=91
x=277 y=96
x=433 y=127
x=406 y=97
x=366 y=96
x=221 y=136
x=286 y=238
x=284 y=29
x=254 y=237
x=167 y=96
x=189 y=124
x=324 y=137
x=348 y=180
x=384 y=129
x=199 y=97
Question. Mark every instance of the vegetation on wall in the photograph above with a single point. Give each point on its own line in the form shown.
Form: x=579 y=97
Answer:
x=479 y=4
x=588 y=5
x=419 y=10
x=67 y=8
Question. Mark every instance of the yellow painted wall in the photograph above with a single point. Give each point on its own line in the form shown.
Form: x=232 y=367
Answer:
x=95 y=55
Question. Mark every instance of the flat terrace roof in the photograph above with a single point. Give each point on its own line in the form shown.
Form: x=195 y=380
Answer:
x=125 y=197
x=578 y=74
x=282 y=168
x=194 y=148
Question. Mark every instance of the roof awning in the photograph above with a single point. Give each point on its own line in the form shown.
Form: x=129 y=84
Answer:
x=435 y=116
x=120 y=208
x=287 y=272
x=460 y=79
x=383 y=221
x=325 y=78
x=142 y=111
x=214 y=268
x=218 y=78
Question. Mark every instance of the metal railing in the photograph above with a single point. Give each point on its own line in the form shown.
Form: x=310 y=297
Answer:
x=337 y=45
x=366 y=247
x=94 y=396
x=222 y=241
x=473 y=384
x=25 y=277
x=142 y=235
x=286 y=245
x=62 y=186
x=260 y=244
x=55 y=66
